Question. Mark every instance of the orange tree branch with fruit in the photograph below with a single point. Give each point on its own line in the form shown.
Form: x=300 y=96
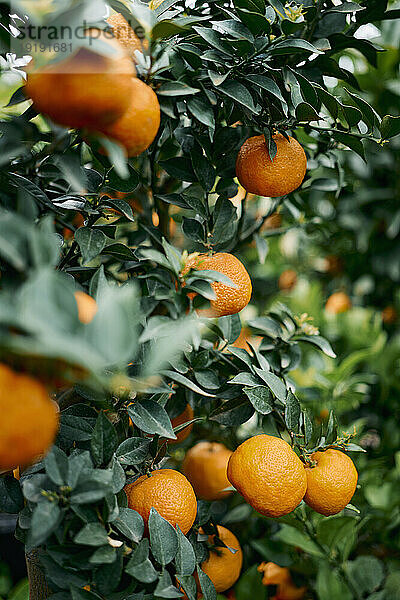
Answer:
x=138 y=172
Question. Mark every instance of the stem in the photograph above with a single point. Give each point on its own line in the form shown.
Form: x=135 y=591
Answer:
x=357 y=135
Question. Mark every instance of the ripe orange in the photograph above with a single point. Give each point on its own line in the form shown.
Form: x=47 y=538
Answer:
x=279 y=576
x=268 y=474
x=244 y=337
x=169 y=492
x=389 y=315
x=222 y=566
x=287 y=280
x=259 y=175
x=85 y=90
x=205 y=466
x=136 y=129
x=126 y=35
x=29 y=419
x=87 y=307
x=229 y=300
x=339 y=302
x=186 y=415
x=331 y=483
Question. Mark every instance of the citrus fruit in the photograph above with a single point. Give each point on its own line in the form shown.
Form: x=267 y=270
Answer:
x=87 y=307
x=337 y=303
x=136 y=129
x=331 y=483
x=229 y=300
x=268 y=474
x=223 y=566
x=333 y=264
x=287 y=280
x=29 y=419
x=245 y=337
x=86 y=89
x=186 y=415
x=125 y=34
x=259 y=175
x=389 y=315
x=205 y=466
x=274 y=221
x=169 y=492
x=280 y=576
x=77 y=221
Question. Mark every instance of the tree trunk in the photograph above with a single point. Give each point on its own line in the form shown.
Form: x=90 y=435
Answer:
x=38 y=588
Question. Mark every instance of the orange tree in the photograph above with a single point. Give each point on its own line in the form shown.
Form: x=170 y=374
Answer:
x=124 y=247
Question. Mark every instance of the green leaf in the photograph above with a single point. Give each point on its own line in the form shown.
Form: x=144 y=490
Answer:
x=268 y=84
x=92 y=534
x=346 y=7
x=176 y=88
x=130 y=524
x=291 y=46
x=115 y=182
x=262 y=247
x=151 y=418
x=320 y=342
x=250 y=586
x=261 y=399
x=120 y=206
x=238 y=92
x=390 y=126
x=185 y=558
x=350 y=141
x=163 y=538
x=139 y=566
x=11 y=498
x=367 y=573
x=202 y=111
x=233 y=413
x=292 y=412
x=45 y=519
x=245 y=378
x=116 y=154
x=214 y=39
x=103 y=555
x=330 y=586
x=133 y=451
x=91 y=242
x=187 y=383
x=56 y=465
x=104 y=440
x=305 y=112
x=295 y=537
x=276 y=385
x=180 y=168
x=206 y=585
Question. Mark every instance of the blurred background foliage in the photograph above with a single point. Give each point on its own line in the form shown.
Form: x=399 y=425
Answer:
x=340 y=234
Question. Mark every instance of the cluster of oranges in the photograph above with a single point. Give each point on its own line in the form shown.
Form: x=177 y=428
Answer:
x=100 y=92
x=265 y=471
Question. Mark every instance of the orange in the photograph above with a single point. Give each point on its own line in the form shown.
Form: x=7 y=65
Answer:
x=287 y=280
x=389 y=315
x=222 y=566
x=77 y=221
x=186 y=415
x=331 y=483
x=229 y=300
x=280 y=576
x=244 y=337
x=87 y=307
x=339 y=302
x=169 y=492
x=268 y=474
x=29 y=419
x=333 y=264
x=274 y=221
x=259 y=175
x=85 y=90
x=126 y=35
x=205 y=466
x=136 y=129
